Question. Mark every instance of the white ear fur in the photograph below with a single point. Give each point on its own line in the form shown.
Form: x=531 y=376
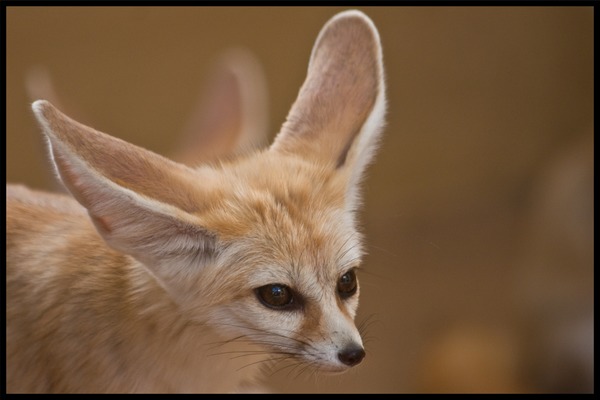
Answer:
x=339 y=113
x=131 y=215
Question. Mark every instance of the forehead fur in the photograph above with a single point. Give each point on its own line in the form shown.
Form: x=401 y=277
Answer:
x=285 y=211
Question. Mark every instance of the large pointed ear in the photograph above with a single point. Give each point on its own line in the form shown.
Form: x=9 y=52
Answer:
x=339 y=112
x=231 y=114
x=141 y=203
x=39 y=84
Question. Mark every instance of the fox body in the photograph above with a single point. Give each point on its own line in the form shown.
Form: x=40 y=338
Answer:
x=159 y=277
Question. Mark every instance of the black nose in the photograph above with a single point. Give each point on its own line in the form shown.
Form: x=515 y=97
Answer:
x=351 y=355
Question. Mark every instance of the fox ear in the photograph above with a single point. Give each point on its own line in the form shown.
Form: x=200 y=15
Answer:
x=141 y=203
x=339 y=112
x=231 y=115
x=40 y=84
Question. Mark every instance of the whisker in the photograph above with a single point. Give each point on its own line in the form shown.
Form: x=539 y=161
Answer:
x=301 y=371
x=277 y=334
x=367 y=271
x=279 y=361
x=383 y=250
x=294 y=367
x=245 y=353
x=340 y=256
x=257 y=362
x=267 y=343
x=364 y=326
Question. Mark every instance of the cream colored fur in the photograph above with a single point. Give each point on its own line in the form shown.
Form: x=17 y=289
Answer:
x=146 y=281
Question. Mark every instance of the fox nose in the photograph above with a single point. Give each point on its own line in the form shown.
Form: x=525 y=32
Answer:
x=351 y=355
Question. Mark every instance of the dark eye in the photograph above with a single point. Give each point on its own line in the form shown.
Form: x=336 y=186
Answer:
x=347 y=284
x=275 y=296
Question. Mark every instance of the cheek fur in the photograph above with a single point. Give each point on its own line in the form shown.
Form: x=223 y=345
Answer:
x=351 y=303
x=247 y=316
x=351 y=306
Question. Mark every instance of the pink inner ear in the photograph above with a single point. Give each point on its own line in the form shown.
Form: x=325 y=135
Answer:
x=103 y=224
x=72 y=180
x=78 y=186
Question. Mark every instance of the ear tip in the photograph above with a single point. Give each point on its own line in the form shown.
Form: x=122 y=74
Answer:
x=351 y=13
x=354 y=15
x=355 y=21
x=232 y=57
x=45 y=113
x=40 y=107
x=242 y=65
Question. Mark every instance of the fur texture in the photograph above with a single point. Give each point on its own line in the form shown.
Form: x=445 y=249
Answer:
x=147 y=281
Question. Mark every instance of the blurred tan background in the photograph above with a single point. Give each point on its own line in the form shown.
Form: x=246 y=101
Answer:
x=478 y=211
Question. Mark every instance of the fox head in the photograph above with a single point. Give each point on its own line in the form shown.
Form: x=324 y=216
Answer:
x=263 y=247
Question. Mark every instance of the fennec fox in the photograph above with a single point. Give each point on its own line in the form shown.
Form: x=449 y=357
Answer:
x=165 y=278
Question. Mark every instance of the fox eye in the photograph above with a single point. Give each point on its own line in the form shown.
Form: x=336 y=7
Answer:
x=275 y=296
x=347 y=284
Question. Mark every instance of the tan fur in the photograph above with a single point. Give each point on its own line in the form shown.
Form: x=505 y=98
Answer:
x=154 y=289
